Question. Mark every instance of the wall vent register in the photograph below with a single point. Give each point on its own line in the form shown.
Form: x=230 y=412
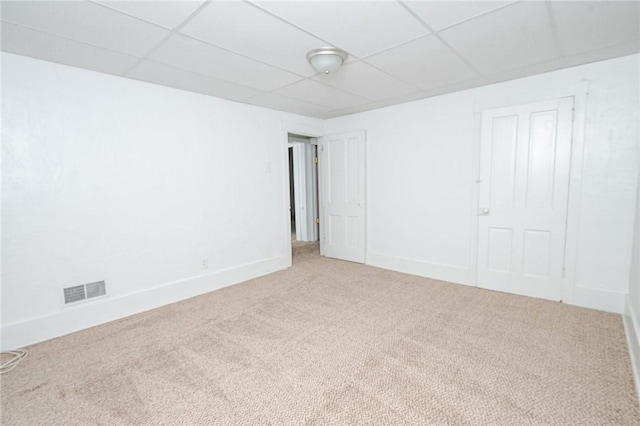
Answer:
x=85 y=291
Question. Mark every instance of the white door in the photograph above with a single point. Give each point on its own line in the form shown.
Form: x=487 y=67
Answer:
x=524 y=186
x=342 y=225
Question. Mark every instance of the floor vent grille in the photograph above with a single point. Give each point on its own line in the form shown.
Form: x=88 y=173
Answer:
x=85 y=291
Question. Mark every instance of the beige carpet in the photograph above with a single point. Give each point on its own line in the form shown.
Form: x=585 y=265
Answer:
x=331 y=342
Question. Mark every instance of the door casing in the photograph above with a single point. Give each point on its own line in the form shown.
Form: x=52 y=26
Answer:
x=572 y=293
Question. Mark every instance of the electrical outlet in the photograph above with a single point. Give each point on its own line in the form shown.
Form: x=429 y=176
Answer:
x=205 y=264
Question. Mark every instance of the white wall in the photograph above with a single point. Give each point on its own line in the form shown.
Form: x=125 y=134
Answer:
x=421 y=162
x=111 y=179
x=136 y=184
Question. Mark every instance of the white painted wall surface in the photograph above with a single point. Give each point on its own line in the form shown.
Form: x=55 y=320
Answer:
x=111 y=179
x=421 y=160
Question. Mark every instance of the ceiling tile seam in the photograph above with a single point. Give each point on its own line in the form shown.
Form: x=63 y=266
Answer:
x=66 y=64
x=395 y=77
x=122 y=12
x=39 y=30
x=198 y=74
x=386 y=49
x=343 y=110
x=435 y=34
x=454 y=87
x=356 y=94
x=168 y=36
x=554 y=30
x=367 y=101
x=471 y=18
x=244 y=56
x=125 y=54
x=315 y=81
x=205 y=75
x=116 y=74
x=318 y=116
x=239 y=100
x=174 y=87
x=422 y=92
x=501 y=80
x=636 y=51
x=273 y=91
x=327 y=43
x=336 y=88
x=288 y=97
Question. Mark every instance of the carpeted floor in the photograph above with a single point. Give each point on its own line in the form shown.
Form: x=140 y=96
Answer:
x=331 y=342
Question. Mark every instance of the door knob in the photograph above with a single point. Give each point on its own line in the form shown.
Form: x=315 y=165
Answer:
x=484 y=212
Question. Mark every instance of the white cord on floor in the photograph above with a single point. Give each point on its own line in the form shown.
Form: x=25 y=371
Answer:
x=18 y=355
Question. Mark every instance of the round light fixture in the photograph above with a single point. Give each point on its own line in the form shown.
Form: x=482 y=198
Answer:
x=327 y=59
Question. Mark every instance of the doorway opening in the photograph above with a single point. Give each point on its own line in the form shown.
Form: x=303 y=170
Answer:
x=303 y=188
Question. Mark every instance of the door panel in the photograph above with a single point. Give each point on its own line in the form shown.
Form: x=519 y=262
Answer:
x=542 y=148
x=524 y=181
x=336 y=230
x=500 y=246
x=536 y=250
x=343 y=175
x=503 y=150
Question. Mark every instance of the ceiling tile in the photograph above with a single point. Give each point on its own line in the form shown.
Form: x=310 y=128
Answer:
x=623 y=49
x=86 y=22
x=239 y=49
x=169 y=14
x=425 y=63
x=318 y=93
x=457 y=87
x=364 y=80
x=585 y=26
x=359 y=27
x=441 y=14
x=375 y=105
x=511 y=37
x=335 y=113
x=282 y=103
x=250 y=31
x=28 y=42
x=532 y=69
x=193 y=55
x=185 y=80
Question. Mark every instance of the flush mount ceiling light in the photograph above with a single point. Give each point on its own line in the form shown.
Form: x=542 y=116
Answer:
x=327 y=59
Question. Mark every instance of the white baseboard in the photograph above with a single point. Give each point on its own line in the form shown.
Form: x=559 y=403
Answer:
x=631 y=322
x=100 y=311
x=450 y=273
x=601 y=300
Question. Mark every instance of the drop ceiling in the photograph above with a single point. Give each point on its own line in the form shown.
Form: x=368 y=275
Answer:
x=254 y=51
